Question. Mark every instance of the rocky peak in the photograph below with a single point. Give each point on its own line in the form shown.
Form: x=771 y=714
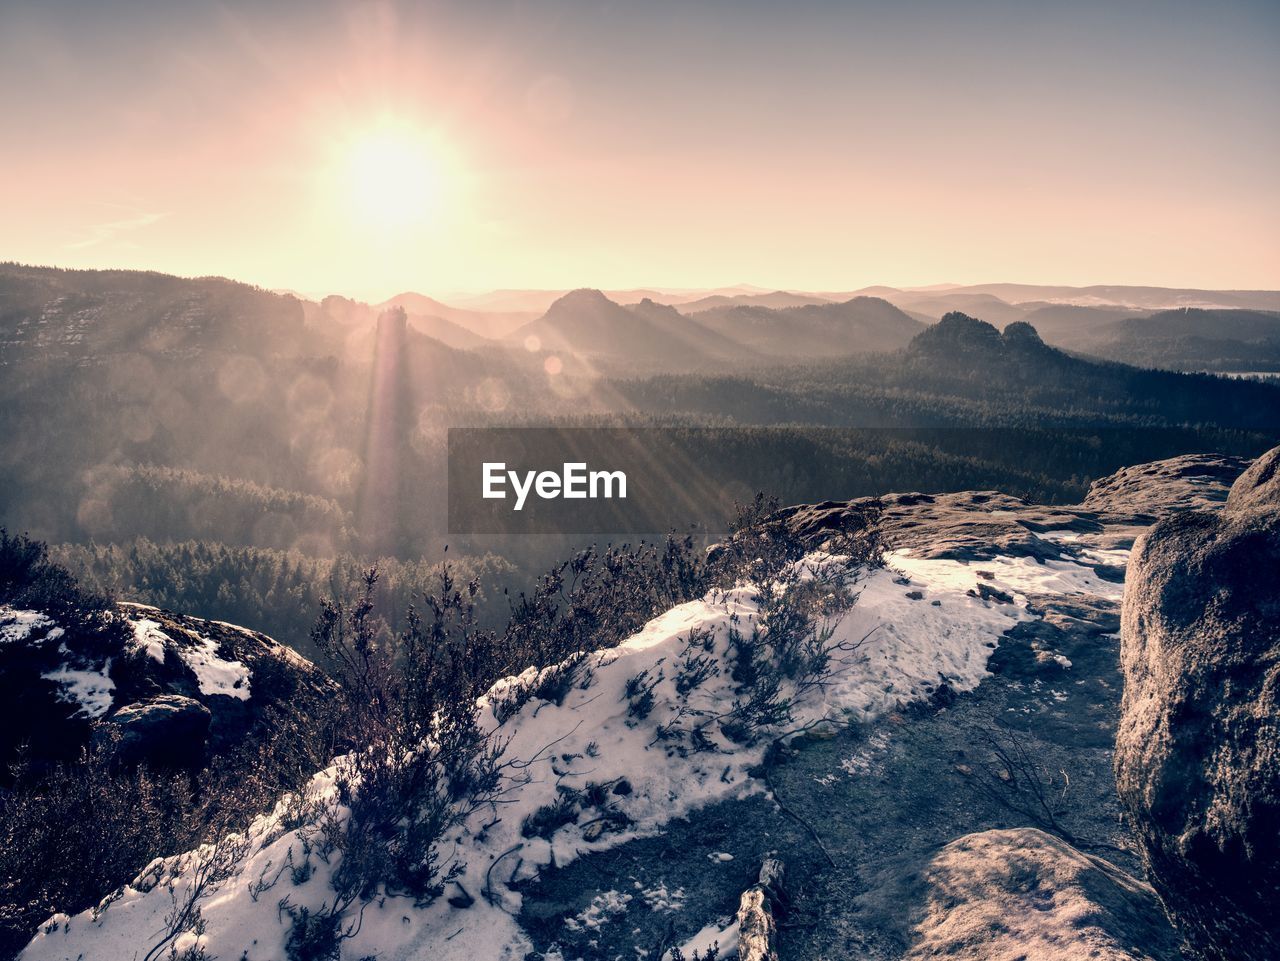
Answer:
x=1021 y=335
x=580 y=299
x=957 y=333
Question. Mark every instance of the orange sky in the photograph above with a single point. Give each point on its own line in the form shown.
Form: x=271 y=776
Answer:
x=367 y=148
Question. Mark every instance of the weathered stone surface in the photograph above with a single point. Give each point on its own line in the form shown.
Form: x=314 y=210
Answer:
x=1259 y=486
x=1023 y=895
x=1189 y=482
x=168 y=730
x=1198 y=746
x=978 y=525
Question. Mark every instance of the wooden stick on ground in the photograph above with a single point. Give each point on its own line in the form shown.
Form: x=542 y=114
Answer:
x=757 y=928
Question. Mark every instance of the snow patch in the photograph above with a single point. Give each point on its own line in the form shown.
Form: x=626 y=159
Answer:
x=16 y=625
x=1019 y=575
x=724 y=934
x=603 y=908
x=213 y=674
x=149 y=639
x=860 y=762
x=660 y=898
x=92 y=690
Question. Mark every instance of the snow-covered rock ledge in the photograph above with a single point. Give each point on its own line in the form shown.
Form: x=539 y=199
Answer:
x=916 y=623
x=214 y=679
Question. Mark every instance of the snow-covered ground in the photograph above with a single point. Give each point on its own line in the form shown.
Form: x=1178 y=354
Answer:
x=215 y=674
x=914 y=623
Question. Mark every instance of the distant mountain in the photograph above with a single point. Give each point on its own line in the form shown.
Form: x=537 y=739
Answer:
x=1183 y=339
x=1246 y=325
x=1188 y=338
x=587 y=324
x=208 y=408
x=937 y=303
x=539 y=301
x=452 y=334
x=65 y=318
x=933 y=300
x=958 y=336
x=776 y=299
x=877 y=290
x=858 y=326
x=1193 y=339
x=964 y=372
x=486 y=324
x=447 y=332
x=1073 y=325
x=1151 y=298
x=690 y=334
x=962 y=343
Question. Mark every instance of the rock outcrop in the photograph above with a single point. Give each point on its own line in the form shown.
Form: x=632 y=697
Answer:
x=1011 y=895
x=177 y=689
x=1199 y=480
x=1259 y=486
x=168 y=730
x=976 y=525
x=1198 y=746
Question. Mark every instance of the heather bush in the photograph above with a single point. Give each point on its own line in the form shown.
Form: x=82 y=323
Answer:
x=419 y=763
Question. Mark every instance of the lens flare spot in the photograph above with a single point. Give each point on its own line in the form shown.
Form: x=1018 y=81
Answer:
x=241 y=379
x=492 y=395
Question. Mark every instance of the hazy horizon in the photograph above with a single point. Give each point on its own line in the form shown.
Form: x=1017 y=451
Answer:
x=372 y=148
x=467 y=299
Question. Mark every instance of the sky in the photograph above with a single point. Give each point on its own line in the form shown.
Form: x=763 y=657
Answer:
x=372 y=147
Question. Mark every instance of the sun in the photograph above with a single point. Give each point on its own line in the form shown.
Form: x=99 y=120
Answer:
x=392 y=176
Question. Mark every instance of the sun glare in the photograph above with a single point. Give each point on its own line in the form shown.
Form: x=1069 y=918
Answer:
x=392 y=177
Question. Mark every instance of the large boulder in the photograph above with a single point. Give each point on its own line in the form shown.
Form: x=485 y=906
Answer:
x=1023 y=895
x=164 y=731
x=1259 y=486
x=1198 y=745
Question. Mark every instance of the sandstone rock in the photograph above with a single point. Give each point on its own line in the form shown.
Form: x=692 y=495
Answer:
x=1188 y=482
x=1023 y=895
x=169 y=730
x=1259 y=486
x=979 y=525
x=54 y=686
x=1198 y=746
